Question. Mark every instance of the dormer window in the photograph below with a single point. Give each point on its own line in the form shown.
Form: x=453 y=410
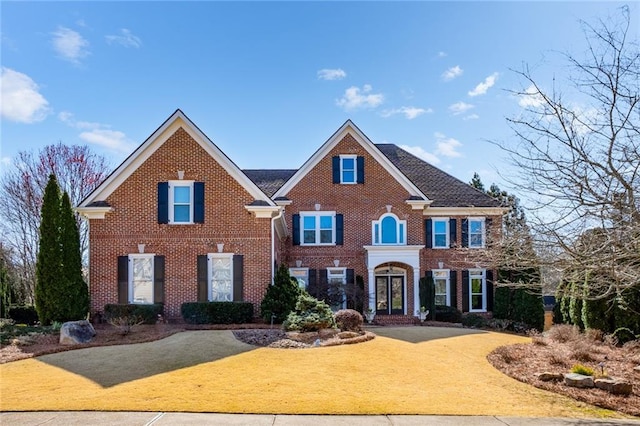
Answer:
x=348 y=169
x=389 y=230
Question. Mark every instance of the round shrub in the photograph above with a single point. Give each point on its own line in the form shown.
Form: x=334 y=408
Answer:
x=447 y=314
x=23 y=314
x=310 y=314
x=474 y=321
x=348 y=320
x=623 y=335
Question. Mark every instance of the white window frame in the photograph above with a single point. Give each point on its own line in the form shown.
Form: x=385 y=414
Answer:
x=484 y=232
x=338 y=273
x=355 y=169
x=211 y=257
x=401 y=231
x=482 y=274
x=180 y=183
x=433 y=232
x=130 y=290
x=298 y=273
x=443 y=274
x=317 y=215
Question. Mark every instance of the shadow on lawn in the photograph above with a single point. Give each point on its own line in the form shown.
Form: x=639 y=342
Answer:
x=423 y=334
x=113 y=365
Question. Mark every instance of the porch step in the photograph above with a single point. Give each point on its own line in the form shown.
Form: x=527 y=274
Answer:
x=395 y=320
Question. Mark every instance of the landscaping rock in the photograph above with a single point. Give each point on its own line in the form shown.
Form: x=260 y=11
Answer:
x=578 y=380
x=74 y=332
x=550 y=377
x=636 y=369
x=615 y=386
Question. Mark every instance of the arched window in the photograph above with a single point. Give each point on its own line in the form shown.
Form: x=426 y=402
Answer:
x=389 y=230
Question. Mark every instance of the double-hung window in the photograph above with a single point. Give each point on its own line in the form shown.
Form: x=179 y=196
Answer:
x=477 y=290
x=181 y=202
x=441 y=282
x=318 y=228
x=348 y=169
x=220 y=277
x=337 y=278
x=141 y=278
x=476 y=232
x=440 y=233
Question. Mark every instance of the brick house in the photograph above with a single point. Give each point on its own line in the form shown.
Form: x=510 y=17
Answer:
x=178 y=221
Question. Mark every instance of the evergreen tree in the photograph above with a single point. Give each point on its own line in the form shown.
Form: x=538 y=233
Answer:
x=6 y=289
x=503 y=302
x=528 y=307
x=281 y=297
x=48 y=266
x=575 y=306
x=476 y=182
x=74 y=293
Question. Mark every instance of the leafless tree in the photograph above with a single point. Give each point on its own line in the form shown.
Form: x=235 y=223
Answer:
x=577 y=156
x=78 y=171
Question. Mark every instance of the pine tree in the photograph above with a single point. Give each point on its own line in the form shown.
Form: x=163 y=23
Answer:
x=281 y=297
x=476 y=182
x=48 y=266
x=75 y=294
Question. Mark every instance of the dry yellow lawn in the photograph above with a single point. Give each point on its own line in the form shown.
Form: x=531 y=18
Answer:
x=209 y=371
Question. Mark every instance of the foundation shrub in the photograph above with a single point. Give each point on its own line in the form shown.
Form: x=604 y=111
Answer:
x=448 y=314
x=624 y=335
x=147 y=313
x=217 y=312
x=310 y=314
x=23 y=314
x=474 y=321
x=348 y=320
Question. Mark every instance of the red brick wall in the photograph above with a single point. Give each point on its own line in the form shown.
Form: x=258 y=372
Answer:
x=134 y=221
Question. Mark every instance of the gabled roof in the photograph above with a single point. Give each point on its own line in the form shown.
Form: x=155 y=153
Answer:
x=349 y=128
x=177 y=120
x=269 y=181
x=444 y=189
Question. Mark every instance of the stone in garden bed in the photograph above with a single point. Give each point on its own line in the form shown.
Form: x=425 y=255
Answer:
x=615 y=386
x=578 y=380
x=74 y=332
x=550 y=377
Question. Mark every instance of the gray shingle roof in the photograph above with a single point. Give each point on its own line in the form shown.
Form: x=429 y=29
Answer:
x=269 y=181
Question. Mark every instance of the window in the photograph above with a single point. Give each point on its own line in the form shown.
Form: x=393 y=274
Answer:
x=220 y=277
x=477 y=290
x=301 y=275
x=441 y=233
x=180 y=202
x=318 y=228
x=389 y=230
x=348 y=171
x=141 y=278
x=476 y=232
x=441 y=281
x=337 y=278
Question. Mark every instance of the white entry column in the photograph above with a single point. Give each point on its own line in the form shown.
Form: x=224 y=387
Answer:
x=416 y=291
x=372 y=290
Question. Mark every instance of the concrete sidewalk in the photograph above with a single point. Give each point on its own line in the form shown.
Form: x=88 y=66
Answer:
x=98 y=418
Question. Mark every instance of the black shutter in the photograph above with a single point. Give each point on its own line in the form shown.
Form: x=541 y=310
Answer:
x=351 y=289
x=158 y=279
x=123 y=280
x=465 y=291
x=488 y=223
x=489 y=284
x=360 y=169
x=453 y=288
x=323 y=285
x=453 y=233
x=339 y=229
x=465 y=232
x=335 y=161
x=163 y=202
x=312 y=284
x=198 y=202
x=428 y=232
x=295 y=223
x=203 y=282
x=238 y=277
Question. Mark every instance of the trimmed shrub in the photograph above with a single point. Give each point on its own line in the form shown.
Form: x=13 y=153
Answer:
x=310 y=314
x=623 y=335
x=281 y=297
x=584 y=370
x=626 y=309
x=427 y=290
x=348 y=320
x=474 y=321
x=147 y=313
x=448 y=314
x=502 y=302
x=217 y=312
x=23 y=314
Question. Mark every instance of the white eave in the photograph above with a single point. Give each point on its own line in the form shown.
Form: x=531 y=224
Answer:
x=262 y=212
x=419 y=204
x=464 y=211
x=94 y=212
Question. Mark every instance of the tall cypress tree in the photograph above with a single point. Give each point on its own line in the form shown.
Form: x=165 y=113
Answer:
x=48 y=266
x=74 y=304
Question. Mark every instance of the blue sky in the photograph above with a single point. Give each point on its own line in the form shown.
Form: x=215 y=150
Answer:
x=269 y=82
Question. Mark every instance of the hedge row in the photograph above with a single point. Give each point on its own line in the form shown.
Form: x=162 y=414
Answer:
x=147 y=313
x=217 y=312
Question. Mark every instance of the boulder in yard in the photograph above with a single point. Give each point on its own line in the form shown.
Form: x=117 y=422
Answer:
x=615 y=386
x=578 y=380
x=550 y=377
x=74 y=332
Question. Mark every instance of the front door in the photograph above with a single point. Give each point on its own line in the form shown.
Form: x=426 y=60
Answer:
x=390 y=295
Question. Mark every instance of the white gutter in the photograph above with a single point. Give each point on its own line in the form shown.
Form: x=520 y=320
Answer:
x=273 y=242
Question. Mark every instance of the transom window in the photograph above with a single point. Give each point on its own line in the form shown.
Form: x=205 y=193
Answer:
x=389 y=230
x=318 y=228
x=476 y=232
x=441 y=281
x=220 y=277
x=181 y=201
x=141 y=278
x=477 y=290
x=440 y=233
x=348 y=169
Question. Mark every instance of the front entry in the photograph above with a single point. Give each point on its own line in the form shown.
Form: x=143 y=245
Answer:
x=390 y=295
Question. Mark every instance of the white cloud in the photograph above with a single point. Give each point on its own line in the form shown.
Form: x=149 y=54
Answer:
x=67 y=118
x=409 y=112
x=21 y=100
x=421 y=153
x=531 y=98
x=452 y=73
x=482 y=88
x=111 y=139
x=355 y=98
x=459 y=108
x=471 y=117
x=447 y=146
x=70 y=45
x=125 y=38
x=442 y=54
x=331 y=74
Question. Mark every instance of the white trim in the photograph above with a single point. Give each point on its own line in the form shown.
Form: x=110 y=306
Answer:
x=94 y=212
x=484 y=231
x=171 y=185
x=419 y=204
x=263 y=212
x=482 y=273
x=177 y=120
x=465 y=211
x=401 y=230
x=379 y=254
x=283 y=202
x=210 y=258
x=447 y=232
x=349 y=128
x=402 y=272
x=447 y=284
x=355 y=169
x=131 y=259
x=317 y=215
